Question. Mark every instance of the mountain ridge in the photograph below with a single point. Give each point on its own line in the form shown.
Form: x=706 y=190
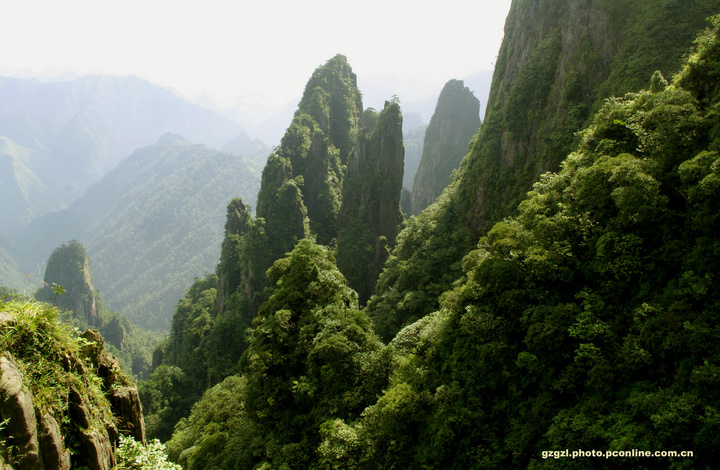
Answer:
x=162 y=206
x=71 y=133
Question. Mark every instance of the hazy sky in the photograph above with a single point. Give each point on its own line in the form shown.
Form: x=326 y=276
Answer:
x=234 y=52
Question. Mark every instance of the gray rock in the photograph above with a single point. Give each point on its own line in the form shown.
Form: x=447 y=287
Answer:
x=16 y=405
x=52 y=447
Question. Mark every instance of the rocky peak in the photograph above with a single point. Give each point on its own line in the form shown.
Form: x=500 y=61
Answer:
x=370 y=212
x=455 y=121
x=69 y=268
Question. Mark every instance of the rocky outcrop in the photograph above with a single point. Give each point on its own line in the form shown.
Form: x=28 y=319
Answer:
x=124 y=398
x=69 y=268
x=52 y=446
x=455 y=121
x=370 y=212
x=90 y=425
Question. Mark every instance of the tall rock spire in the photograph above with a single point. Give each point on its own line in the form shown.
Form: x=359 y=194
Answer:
x=370 y=213
x=455 y=121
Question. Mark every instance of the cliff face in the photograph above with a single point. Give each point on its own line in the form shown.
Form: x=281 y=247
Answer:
x=370 y=213
x=64 y=399
x=238 y=223
x=558 y=61
x=455 y=121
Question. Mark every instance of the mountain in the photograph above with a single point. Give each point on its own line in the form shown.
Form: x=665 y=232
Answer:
x=335 y=180
x=243 y=144
x=150 y=225
x=455 y=121
x=583 y=321
x=413 y=138
x=57 y=138
x=558 y=62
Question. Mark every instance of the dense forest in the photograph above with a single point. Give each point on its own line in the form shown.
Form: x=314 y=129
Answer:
x=558 y=294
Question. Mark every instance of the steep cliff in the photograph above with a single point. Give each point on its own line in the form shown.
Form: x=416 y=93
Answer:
x=455 y=121
x=64 y=401
x=370 y=213
x=558 y=61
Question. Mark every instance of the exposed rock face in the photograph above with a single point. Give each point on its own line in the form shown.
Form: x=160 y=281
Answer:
x=52 y=446
x=370 y=213
x=16 y=406
x=455 y=121
x=124 y=399
x=558 y=61
x=39 y=442
x=95 y=445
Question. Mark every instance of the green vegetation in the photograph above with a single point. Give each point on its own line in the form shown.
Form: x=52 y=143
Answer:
x=35 y=336
x=57 y=366
x=302 y=195
x=586 y=320
x=133 y=455
x=68 y=285
x=370 y=212
x=311 y=358
x=583 y=322
x=557 y=64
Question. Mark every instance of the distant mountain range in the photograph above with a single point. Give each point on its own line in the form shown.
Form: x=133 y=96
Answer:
x=150 y=225
x=57 y=138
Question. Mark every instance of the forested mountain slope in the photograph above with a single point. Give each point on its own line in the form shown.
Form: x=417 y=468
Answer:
x=558 y=61
x=336 y=178
x=151 y=225
x=585 y=321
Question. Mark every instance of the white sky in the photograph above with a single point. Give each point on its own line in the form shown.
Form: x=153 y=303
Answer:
x=232 y=52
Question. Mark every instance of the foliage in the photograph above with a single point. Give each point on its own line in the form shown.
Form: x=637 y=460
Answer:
x=553 y=71
x=185 y=372
x=312 y=357
x=49 y=354
x=133 y=455
x=584 y=322
x=370 y=213
x=425 y=261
